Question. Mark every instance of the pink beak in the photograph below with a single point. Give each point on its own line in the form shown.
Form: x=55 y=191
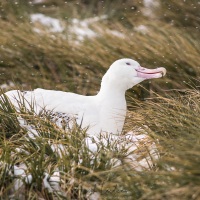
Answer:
x=151 y=73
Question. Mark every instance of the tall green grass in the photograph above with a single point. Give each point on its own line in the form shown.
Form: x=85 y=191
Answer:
x=52 y=61
x=172 y=123
x=51 y=149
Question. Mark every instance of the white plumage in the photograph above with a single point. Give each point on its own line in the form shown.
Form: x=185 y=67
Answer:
x=104 y=112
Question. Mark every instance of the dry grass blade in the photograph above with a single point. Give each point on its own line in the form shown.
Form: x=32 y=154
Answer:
x=162 y=34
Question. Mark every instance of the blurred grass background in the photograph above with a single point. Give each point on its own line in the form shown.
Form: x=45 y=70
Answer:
x=155 y=33
x=54 y=60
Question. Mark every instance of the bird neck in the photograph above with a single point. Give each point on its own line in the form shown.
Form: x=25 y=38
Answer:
x=111 y=92
x=113 y=108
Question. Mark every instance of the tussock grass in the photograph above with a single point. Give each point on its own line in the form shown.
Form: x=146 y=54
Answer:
x=55 y=61
x=76 y=67
x=40 y=147
x=188 y=13
x=34 y=60
x=172 y=123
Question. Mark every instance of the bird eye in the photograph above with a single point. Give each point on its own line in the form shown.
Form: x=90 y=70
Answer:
x=128 y=63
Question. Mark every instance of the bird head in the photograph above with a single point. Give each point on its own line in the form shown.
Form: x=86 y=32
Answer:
x=125 y=73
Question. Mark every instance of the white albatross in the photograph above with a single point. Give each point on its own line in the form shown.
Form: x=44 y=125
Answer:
x=104 y=112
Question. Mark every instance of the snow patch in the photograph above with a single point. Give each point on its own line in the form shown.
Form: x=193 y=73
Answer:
x=54 y=25
x=21 y=177
x=151 y=3
x=149 y=7
x=81 y=28
x=38 y=1
x=141 y=29
x=116 y=33
x=7 y=86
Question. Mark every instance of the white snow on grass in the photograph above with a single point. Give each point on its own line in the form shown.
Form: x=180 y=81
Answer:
x=151 y=3
x=149 y=7
x=21 y=178
x=54 y=25
x=116 y=33
x=78 y=30
x=6 y=86
x=141 y=29
x=81 y=28
x=38 y=1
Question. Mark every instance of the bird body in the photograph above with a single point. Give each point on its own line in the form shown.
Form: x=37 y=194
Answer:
x=92 y=112
x=104 y=112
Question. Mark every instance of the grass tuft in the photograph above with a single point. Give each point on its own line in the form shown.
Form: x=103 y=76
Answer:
x=168 y=37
